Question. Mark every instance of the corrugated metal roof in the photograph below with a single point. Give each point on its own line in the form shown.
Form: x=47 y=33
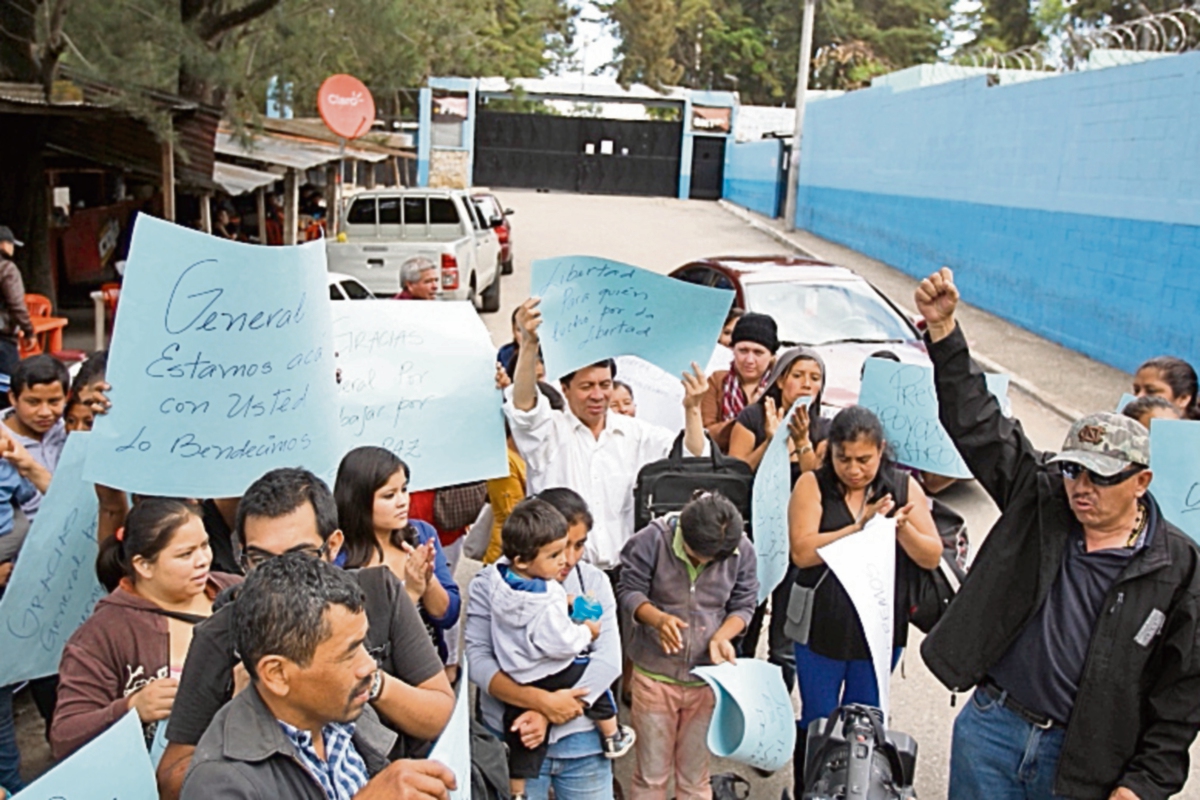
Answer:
x=237 y=180
x=294 y=152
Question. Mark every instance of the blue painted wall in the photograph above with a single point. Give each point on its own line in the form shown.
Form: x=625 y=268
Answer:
x=1069 y=205
x=752 y=175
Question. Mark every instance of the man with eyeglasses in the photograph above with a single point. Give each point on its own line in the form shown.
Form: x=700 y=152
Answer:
x=1078 y=623
x=293 y=511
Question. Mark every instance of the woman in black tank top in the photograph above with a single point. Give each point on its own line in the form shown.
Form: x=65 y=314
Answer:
x=856 y=482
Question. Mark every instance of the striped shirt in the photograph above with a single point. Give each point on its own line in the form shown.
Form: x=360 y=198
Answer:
x=342 y=772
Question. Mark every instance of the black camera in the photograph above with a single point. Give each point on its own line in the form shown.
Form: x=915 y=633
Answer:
x=851 y=756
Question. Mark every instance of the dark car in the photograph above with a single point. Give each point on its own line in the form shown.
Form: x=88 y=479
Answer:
x=497 y=216
x=830 y=308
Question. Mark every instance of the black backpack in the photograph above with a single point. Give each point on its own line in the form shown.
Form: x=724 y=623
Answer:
x=668 y=485
x=930 y=591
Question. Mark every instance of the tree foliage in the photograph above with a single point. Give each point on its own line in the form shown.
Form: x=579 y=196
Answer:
x=754 y=45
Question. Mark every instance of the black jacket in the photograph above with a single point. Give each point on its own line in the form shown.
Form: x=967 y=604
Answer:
x=1138 y=708
x=245 y=755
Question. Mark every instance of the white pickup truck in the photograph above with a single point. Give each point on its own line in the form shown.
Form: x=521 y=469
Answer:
x=385 y=227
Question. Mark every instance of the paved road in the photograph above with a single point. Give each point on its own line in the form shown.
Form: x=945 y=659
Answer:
x=660 y=234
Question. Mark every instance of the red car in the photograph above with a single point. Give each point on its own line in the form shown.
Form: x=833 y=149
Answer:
x=831 y=308
x=496 y=216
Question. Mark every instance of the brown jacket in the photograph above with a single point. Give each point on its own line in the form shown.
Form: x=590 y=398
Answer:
x=15 y=315
x=122 y=647
x=710 y=411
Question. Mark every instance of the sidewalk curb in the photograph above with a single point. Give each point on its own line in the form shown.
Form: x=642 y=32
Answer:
x=1026 y=387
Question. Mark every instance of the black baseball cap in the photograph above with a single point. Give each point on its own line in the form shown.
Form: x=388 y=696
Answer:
x=6 y=235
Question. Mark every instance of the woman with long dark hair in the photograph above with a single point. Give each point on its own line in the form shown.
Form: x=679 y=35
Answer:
x=373 y=504
x=1172 y=379
x=856 y=483
x=798 y=373
x=130 y=652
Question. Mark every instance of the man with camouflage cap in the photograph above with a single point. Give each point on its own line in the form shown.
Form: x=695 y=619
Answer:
x=1078 y=622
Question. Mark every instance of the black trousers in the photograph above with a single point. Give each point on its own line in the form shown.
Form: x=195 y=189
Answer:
x=524 y=762
x=780 y=650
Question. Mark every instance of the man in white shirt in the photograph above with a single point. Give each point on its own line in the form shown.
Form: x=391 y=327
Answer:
x=587 y=448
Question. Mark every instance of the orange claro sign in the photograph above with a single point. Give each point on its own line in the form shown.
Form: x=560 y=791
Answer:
x=346 y=106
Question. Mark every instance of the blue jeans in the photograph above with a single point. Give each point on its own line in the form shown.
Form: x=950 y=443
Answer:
x=996 y=755
x=826 y=683
x=577 y=769
x=10 y=756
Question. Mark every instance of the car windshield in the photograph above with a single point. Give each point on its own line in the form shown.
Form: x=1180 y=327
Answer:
x=823 y=313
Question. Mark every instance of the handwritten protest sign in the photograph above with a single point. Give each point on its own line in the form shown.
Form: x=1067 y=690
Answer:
x=905 y=400
x=113 y=765
x=657 y=393
x=53 y=586
x=768 y=509
x=1175 y=461
x=453 y=747
x=752 y=720
x=595 y=309
x=419 y=379
x=220 y=365
x=865 y=564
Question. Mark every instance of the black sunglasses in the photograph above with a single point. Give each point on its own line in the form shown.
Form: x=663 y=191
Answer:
x=256 y=558
x=1075 y=471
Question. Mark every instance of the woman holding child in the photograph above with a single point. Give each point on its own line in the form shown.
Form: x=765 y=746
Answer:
x=575 y=765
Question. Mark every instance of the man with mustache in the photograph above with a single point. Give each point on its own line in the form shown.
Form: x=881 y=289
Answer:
x=304 y=728
x=291 y=510
x=1078 y=622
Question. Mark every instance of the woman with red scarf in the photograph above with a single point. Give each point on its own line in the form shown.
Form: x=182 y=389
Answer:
x=754 y=342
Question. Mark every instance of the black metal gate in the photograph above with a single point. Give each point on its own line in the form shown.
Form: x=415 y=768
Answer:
x=708 y=167
x=577 y=154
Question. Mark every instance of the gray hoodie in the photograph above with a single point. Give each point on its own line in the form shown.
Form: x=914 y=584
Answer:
x=652 y=573
x=532 y=631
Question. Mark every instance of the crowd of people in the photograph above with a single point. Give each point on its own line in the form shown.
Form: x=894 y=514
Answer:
x=303 y=640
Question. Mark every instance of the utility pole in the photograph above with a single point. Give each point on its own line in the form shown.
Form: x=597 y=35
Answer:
x=793 y=176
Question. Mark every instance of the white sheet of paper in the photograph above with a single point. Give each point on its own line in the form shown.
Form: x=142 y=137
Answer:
x=865 y=563
x=657 y=394
x=453 y=747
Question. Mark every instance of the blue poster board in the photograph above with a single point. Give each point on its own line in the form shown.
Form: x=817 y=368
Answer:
x=593 y=309
x=419 y=380
x=53 y=586
x=113 y=766
x=221 y=366
x=904 y=398
x=1175 y=461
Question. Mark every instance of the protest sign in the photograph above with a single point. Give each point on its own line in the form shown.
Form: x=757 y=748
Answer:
x=1125 y=400
x=594 y=309
x=453 y=747
x=769 y=507
x=752 y=720
x=220 y=365
x=1175 y=461
x=114 y=765
x=905 y=400
x=53 y=585
x=657 y=394
x=419 y=380
x=865 y=564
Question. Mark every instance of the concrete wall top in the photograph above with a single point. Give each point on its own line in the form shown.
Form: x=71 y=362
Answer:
x=1119 y=142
